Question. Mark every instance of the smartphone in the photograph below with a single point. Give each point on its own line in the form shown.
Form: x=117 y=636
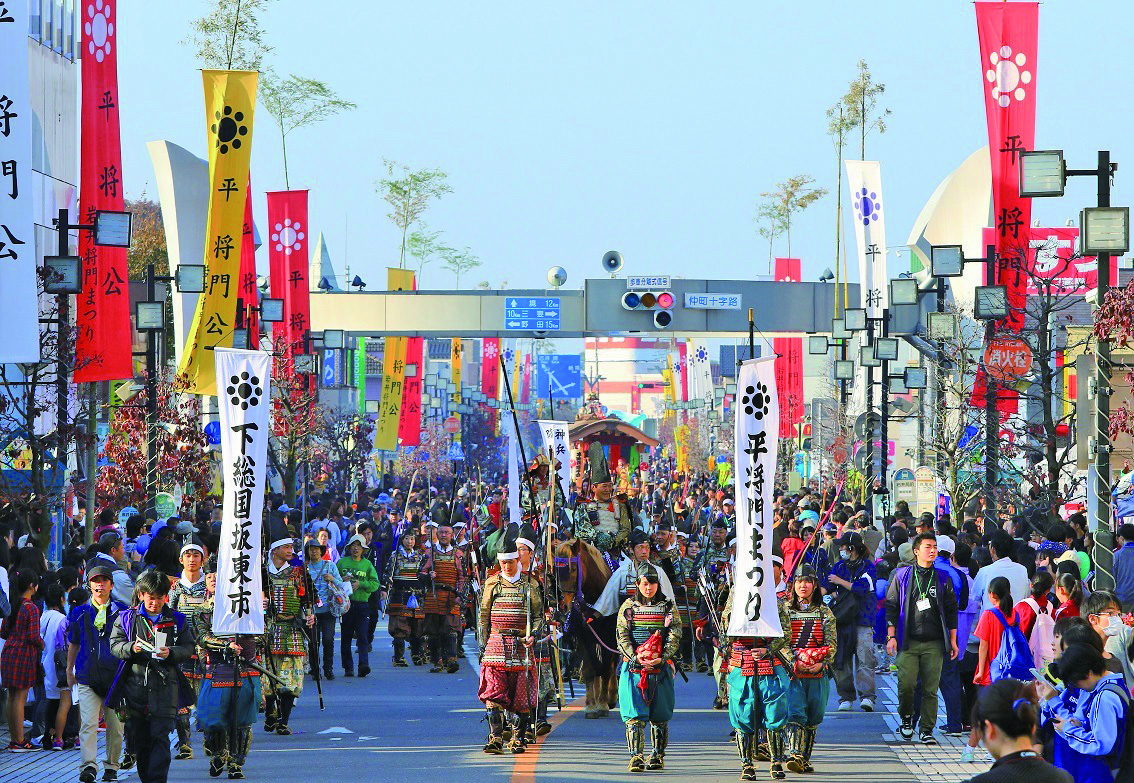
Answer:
x=1048 y=678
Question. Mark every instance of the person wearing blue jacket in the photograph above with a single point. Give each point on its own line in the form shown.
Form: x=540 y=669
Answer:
x=854 y=666
x=1092 y=731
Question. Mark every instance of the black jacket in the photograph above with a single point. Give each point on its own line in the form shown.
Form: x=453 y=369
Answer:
x=147 y=685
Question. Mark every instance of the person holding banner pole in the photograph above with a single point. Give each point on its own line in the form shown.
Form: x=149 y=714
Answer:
x=287 y=617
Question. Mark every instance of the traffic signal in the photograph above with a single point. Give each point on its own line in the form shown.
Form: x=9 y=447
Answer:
x=659 y=302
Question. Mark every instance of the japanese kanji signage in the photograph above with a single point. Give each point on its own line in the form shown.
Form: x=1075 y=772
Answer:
x=1051 y=266
x=864 y=178
x=244 y=393
x=19 y=300
x=1007 y=359
x=789 y=358
x=393 y=379
x=754 y=611
x=102 y=313
x=555 y=439
x=455 y=371
x=230 y=100
x=1008 y=34
x=490 y=367
x=288 y=235
x=249 y=293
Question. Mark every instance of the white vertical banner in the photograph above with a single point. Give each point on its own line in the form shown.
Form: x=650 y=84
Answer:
x=513 y=469
x=864 y=178
x=244 y=393
x=702 y=379
x=19 y=295
x=555 y=439
x=754 y=610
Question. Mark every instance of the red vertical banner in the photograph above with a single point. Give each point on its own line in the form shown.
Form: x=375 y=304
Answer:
x=249 y=314
x=1009 y=37
x=102 y=317
x=409 y=420
x=683 y=361
x=789 y=360
x=490 y=367
x=288 y=265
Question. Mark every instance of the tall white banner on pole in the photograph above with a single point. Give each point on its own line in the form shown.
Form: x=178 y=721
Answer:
x=244 y=394
x=513 y=470
x=19 y=295
x=754 y=611
x=555 y=438
x=864 y=177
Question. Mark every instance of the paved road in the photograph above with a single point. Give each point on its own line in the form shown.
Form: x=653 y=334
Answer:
x=410 y=725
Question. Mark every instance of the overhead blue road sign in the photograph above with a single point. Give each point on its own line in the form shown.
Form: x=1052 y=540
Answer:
x=560 y=377
x=530 y=314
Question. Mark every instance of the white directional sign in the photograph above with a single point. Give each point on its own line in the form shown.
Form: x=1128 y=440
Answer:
x=713 y=301
x=532 y=313
x=634 y=282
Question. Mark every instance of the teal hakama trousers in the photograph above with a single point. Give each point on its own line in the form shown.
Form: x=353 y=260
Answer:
x=631 y=704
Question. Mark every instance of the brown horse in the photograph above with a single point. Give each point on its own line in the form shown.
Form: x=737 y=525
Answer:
x=582 y=574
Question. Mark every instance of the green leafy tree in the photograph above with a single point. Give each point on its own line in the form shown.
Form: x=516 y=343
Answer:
x=409 y=193
x=424 y=247
x=771 y=225
x=458 y=262
x=229 y=35
x=839 y=127
x=793 y=195
x=296 y=102
x=861 y=108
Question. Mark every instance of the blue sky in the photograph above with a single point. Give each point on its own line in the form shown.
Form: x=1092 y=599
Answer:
x=570 y=129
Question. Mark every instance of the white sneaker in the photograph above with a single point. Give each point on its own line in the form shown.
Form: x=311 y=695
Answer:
x=866 y=705
x=844 y=706
x=967 y=755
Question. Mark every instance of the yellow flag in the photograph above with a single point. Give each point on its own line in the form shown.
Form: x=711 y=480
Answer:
x=230 y=101
x=455 y=372
x=393 y=373
x=679 y=433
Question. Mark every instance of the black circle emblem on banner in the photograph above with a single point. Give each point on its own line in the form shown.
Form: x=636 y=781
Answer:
x=228 y=127
x=244 y=390
x=756 y=400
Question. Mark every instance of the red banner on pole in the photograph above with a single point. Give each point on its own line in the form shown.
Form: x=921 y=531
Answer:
x=287 y=260
x=789 y=360
x=490 y=367
x=249 y=294
x=409 y=421
x=1009 y=34
x=102 y=317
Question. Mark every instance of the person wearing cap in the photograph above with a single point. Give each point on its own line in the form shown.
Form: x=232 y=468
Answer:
x=111 y=554
x=287 y=617
x=603 y=521
x=623 y=582
x=510 y=620
x=758 y=692
x=645 y=678
x=851 y=586
x=401 y=587
x=814 y=645
x=322 y=573
x=448 y=570
x=91 y=668
x=950 y=667
x=189 y=597
x=230 y=690
x=363 y=579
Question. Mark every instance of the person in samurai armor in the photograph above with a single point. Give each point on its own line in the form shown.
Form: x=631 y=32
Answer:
x=230 y=693
x=190 y=597
x=526 y=543
x=510 y=620
x=757 y=693
x=684 y=568
x=623 y=583
x=603 y=521
x=540 y=479
x=649 y=635
x=717 y=551
x=287 y=613
x=402 y=586
x=447 y=570
x=813 y=646
x=711 y=602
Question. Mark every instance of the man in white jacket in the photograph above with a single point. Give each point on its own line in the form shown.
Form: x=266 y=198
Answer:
x=622 y=582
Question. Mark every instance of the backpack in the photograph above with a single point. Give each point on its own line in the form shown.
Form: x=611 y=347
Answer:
x=1043 y=635
x=339 y=598
x=1014 y=658
x=1121 y=756
x=102 y=664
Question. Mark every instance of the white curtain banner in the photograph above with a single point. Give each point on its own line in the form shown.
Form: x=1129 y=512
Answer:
x=864 y=177
x=513 y=470
x=702 y=369
x=244 y=393
x=754 y=611
x=555 y=437
x=19 y=297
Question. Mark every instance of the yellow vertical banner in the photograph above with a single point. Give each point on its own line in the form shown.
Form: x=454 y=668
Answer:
x=516 y=364
x=230 y=101
x=455 y=372
x=393 y=378
x=679 y=434
x=393 y=373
